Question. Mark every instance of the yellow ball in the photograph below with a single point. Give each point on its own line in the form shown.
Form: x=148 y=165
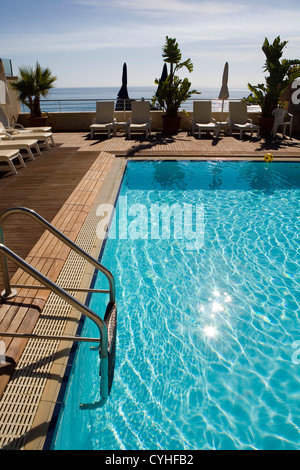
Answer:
x=268 y=157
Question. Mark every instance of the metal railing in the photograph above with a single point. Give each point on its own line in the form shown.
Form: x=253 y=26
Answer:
x=79 y=105
x=9 y=292
x=89 y=105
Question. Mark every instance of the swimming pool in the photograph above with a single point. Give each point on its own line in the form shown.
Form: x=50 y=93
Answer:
x=208 y=347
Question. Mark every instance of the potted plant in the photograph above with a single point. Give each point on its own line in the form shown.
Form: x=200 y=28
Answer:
x=173 y=91
x=31 y=84
x=281 y=72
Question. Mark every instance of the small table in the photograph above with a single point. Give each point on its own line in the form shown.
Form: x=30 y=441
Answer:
x=121 y=124
x=223 y=126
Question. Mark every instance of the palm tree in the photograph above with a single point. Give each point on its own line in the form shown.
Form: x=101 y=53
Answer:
x=33 y=83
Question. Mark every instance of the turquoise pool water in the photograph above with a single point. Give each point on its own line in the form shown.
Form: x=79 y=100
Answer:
x=208 y=348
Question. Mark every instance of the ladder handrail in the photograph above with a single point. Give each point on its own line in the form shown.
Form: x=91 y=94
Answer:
x=5 y=253
x=60 y=236
x=52 y=286
x=86 y=311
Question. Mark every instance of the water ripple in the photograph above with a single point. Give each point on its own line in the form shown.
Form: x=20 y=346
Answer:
x=205 y=337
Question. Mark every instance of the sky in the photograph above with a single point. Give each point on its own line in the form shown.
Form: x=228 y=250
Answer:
x=86 y=42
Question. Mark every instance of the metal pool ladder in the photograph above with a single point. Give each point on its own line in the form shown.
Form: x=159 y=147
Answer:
x=107 y=326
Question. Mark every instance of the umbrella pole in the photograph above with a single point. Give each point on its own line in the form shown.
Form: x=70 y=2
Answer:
x=8 y=120
x=221 y=115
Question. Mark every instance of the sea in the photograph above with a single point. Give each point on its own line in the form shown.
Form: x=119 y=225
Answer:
x=84 y=99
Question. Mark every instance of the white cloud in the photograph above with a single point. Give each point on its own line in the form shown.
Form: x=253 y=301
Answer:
x=167 y=7
x=84 y=40
x=201 y=24
x=207 y=32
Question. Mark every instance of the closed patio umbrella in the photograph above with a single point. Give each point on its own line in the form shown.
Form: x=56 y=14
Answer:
x=224 y=92
x=163 y=77
x=123 y=92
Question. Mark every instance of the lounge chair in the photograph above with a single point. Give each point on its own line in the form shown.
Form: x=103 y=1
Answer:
x=238 y=119
x=8 y=156
x=45 y=137
x=202 y=120
x=140 y=120
x=21 y=128
x=104 y=120
x=25 y=144
x=9 y=127
x=284 y=119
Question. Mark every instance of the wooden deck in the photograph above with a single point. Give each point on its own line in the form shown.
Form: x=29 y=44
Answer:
x=183 y=145
x=61 y=185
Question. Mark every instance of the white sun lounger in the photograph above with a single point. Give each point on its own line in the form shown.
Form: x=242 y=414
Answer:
x=202 y=120
x=21 y=128
x=239 y=120
x=16 y=126
x=45 y=137
x=8 y=156
x=140 y=120
x=25 y=144
x=104 y=120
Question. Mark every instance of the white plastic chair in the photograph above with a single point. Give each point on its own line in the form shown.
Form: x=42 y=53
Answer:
x=21 y=128
x=26 y=144
x=239 y=120
x=8 y=156
x=11 y=127
x=202 y=120
x=140 y=120
x=284 y=119
x=104 y=120
x=45 y=137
